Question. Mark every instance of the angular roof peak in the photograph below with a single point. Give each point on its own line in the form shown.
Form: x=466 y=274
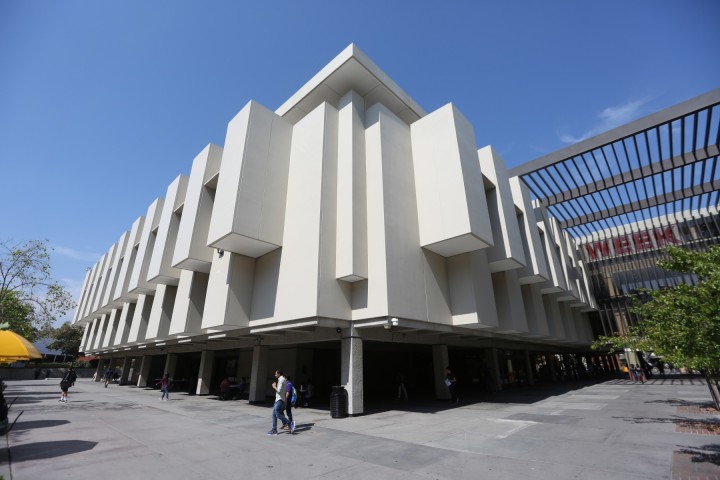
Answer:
x=351 y=70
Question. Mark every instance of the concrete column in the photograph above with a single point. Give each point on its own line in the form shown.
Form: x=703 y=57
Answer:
x=258 y=374
x=491 y=358
x=529 y=367
x=441 y=359
x=99 y=370
x=351 y=372
x=125 y=370
x=611 y=363
x=170 y=363
x=207 y=360
x=143 y=378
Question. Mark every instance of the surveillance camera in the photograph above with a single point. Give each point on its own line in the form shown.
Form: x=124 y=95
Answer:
x=338 y=330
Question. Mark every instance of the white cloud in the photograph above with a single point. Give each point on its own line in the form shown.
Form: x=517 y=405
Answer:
x=76 y=254
x=74 y=286
x=610 y=118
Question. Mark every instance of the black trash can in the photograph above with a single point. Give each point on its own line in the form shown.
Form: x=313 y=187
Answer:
x=338 y=402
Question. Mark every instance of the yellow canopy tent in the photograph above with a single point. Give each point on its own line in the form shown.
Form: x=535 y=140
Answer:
x=14 y=347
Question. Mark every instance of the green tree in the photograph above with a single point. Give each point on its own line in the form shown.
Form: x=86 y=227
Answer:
x=29 y=297
x=67 y=339
x=18 y=318
x=681 y=323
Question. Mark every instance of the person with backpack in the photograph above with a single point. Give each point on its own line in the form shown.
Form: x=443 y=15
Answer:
x=290 y=400
x=67 y=381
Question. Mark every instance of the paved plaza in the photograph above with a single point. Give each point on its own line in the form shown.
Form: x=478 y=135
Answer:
x=607 y=430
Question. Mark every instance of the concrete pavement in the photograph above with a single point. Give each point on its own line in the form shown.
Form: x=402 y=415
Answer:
x=608 y=430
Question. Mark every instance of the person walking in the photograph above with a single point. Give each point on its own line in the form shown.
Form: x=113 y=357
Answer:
x=165 y=388
x=107 y=375
x=67 y=381
x=451 y=382
x=402 y=391
x=290 y=395
x=280 y=395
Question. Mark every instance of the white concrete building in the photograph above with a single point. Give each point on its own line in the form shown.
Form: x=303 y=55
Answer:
x=345 y=237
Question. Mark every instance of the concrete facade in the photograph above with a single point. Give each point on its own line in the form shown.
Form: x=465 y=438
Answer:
x=347 y=215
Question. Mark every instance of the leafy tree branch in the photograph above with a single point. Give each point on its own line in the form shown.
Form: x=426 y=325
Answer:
x=30 y=299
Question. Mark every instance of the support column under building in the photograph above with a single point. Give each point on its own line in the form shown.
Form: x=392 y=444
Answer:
x=612 y=362
x=207 y=360
x=351 y=373
x=530 y=368
x=491 y=359
x=170 y=364
x=441 y=360
x=142 y=380
x=99 y=370
x=127 y=361
x=258 y=374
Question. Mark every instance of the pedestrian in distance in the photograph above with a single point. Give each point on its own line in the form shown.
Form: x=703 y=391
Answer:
x=639 y=374
x=67 y=381
x=107 y=375
x=451 y=383
x=164 y=388
x=225 y=389
x=402 y=391
x=280 y=387
x=632 y=373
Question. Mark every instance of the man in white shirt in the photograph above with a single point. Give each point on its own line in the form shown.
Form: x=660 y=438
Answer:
x=280 y=399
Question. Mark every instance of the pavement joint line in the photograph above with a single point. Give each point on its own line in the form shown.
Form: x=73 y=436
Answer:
x=522 y=425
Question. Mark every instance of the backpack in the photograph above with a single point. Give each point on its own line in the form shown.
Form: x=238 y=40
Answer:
x=293 y=396
x=69 y=378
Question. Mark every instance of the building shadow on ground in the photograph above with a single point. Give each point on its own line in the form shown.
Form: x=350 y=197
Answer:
x=516 y=395
x=32 y=424
x=19 y=400
x=43 y=450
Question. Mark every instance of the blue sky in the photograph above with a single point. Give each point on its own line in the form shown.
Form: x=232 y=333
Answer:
x=104 y=103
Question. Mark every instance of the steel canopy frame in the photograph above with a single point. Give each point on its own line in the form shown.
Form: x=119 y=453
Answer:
x=659 y=165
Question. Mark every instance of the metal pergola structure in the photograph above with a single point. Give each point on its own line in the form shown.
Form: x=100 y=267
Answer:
x=656 y=167
x=658 y=174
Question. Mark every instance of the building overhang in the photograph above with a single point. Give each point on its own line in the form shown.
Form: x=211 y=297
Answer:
x=351 y=70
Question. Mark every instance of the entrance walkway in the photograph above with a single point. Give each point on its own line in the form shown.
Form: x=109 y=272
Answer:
x=615 y=429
